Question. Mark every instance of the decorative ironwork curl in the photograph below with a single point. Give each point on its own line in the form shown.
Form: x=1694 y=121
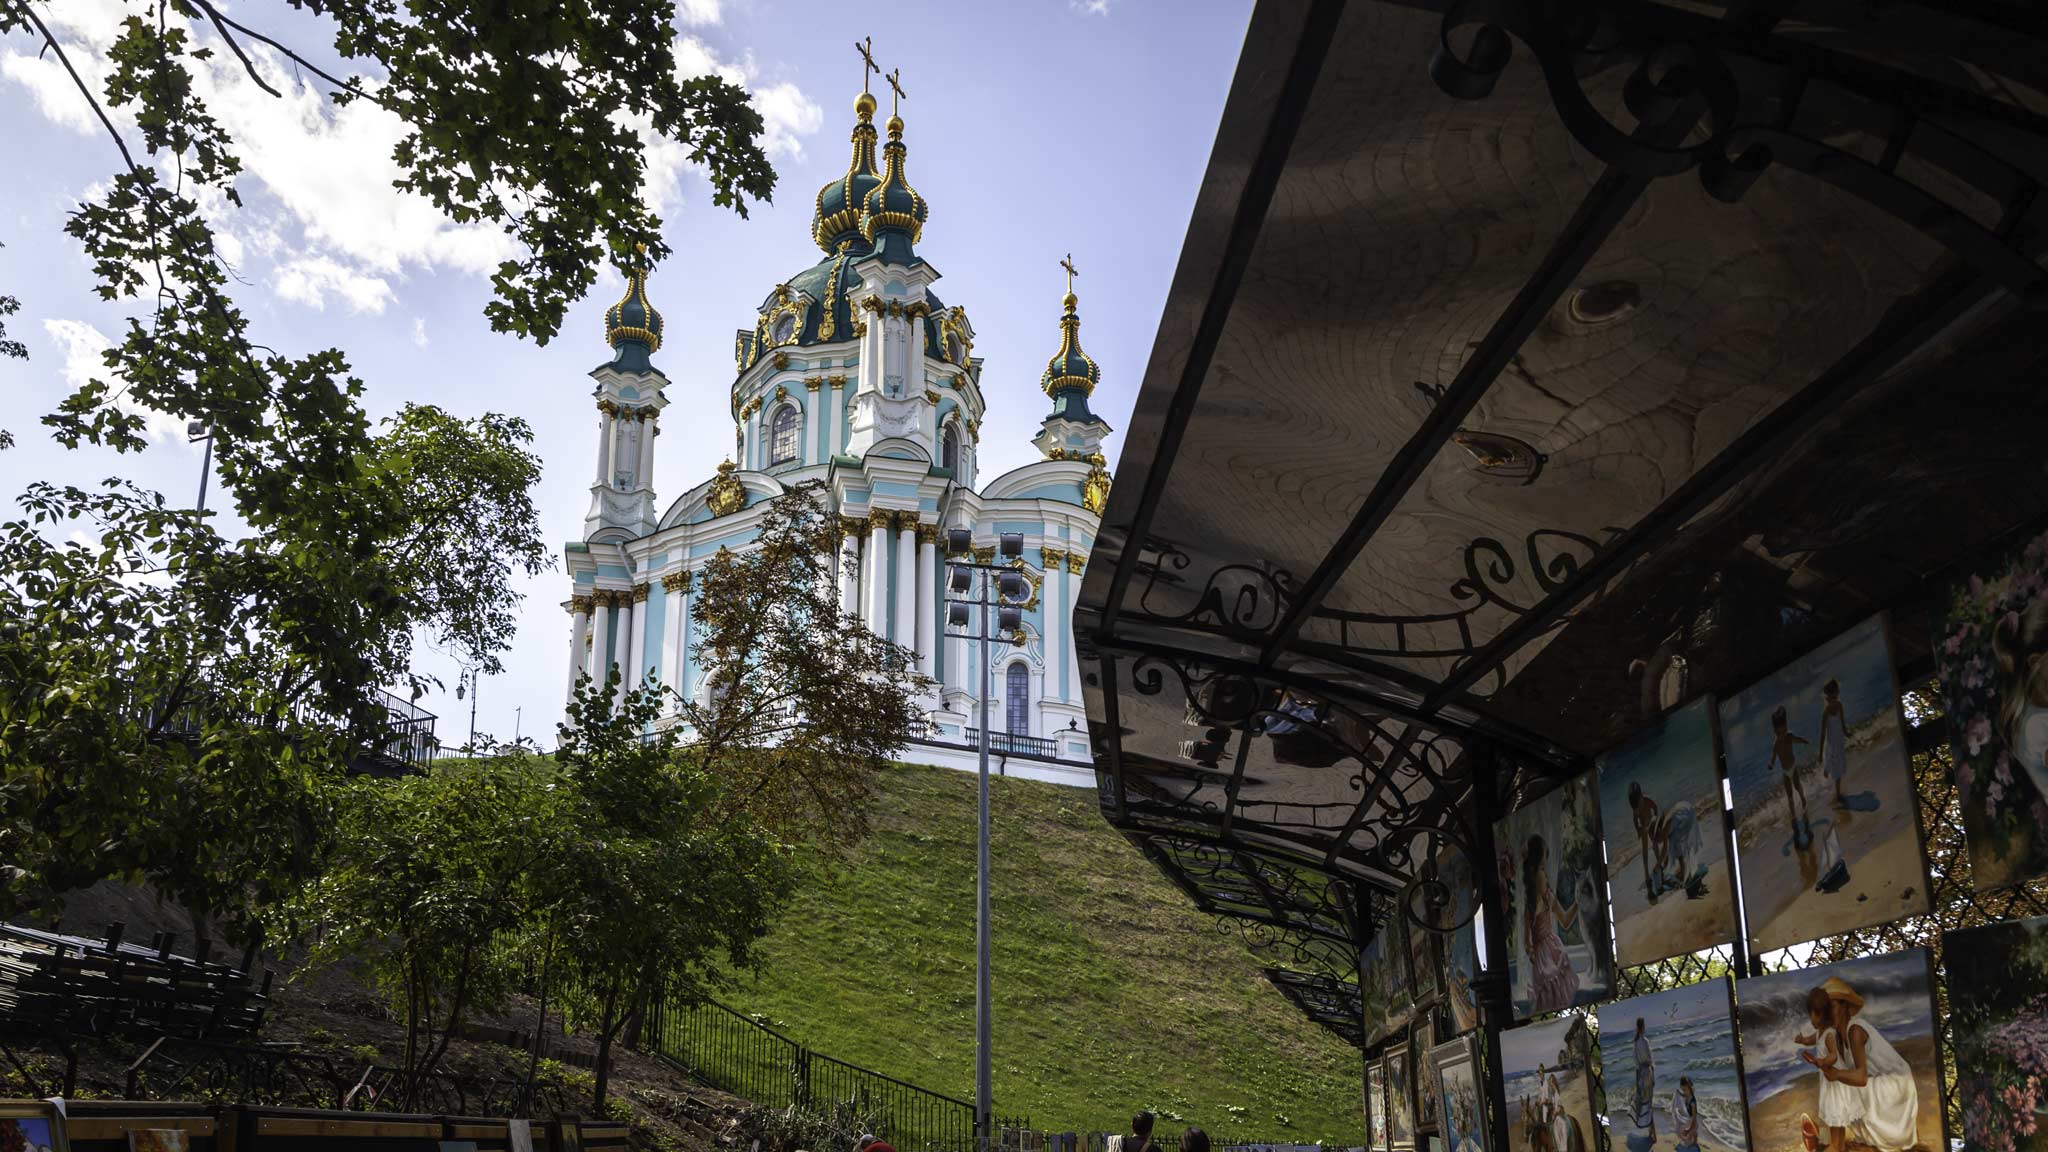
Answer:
x=1242 y=598
x=1490 y=568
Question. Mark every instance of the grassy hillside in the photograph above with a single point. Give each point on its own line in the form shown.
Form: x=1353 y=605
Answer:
x=1112 y=993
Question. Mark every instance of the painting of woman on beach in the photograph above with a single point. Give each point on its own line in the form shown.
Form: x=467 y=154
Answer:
x=1461 y=1119
x=1844 y=1052
x=1826 y=829
x=1998 y=1011
x=1992 y=661
x=1667 y=853
x=1547 y=1077
x=1550 y=871
x=1667 y=1062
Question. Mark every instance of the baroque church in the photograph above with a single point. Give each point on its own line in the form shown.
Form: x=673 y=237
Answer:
x=853 y=372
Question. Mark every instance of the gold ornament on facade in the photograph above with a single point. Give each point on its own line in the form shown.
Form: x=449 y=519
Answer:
x=880 y=518
x=927 y=533
x=852 y=526
x=781 y=360
x=676 y=581
x=639 y=593
x=985 y=555
x=974 y=431
x=812 y=383
x=860 y=328
x=782 y=392
x=930 y=396
x=580 y=604
x=1019 y=638
x=1057 y=452
x=836 y=381
x=1095 y=489
x=1075 y=562
x=872 y=304
x=1052 y=558
x=727 y=494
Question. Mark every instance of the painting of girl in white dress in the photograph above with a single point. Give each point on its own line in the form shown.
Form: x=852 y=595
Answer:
x=1559 y=951
x=1992 y=660
x=1845 y=1051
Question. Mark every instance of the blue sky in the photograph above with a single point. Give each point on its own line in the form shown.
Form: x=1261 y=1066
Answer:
x=1035 y=129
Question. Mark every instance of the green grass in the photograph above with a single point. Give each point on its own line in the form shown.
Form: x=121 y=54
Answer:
x=1111 y=992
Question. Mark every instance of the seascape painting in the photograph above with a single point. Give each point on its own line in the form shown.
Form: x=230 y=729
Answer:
x=1461 y=1117
x=1461 y=944
x=1826 y=830
x=1400 y=1099
x=1428 y=1086
x=1998 y=1009
x=1994 y=687
x=1841 y=1057
x=1546 y=1071
x=1376 y=1105
x=1668 y=1071
x=1554 y=889
x=1667 y=850
x=30 y=1133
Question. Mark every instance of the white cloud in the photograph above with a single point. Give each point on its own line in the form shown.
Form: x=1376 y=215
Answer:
x=698 y=12
x=84 y=349
x=309 y=281
x=787 y=116
x=419 y=332
x=1092 y=7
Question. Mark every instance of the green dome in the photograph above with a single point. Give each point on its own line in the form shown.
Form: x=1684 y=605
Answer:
x=1070 y=369
x=633 y=326
x=837 y=219
x=893 y=206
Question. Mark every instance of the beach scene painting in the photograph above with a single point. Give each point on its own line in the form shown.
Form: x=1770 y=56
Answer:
x=1668 y=1070
x=1992 y=661
x=1461 y=944
x=31 y=1127
x=1841 y=1057
x=1667 y=849
x=1827 y=834
x=1461 y=1115
x=1555 y=891
x=1998 y=1014
x=1546 y=1073
x=1400 y=1099
x=1376 y=1105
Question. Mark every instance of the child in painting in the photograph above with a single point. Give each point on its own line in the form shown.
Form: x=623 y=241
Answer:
x=1685 y=1113
x=1673 y=838
x=1834 y=739
x=1646 y=1082
x=1866 y=1086
x=1553 y=984
x=1787 y=760
x=2020 y=644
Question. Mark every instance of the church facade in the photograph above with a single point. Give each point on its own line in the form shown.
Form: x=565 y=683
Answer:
x=854 y=373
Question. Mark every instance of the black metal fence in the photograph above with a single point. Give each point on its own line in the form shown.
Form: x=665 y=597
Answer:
x=738 y=1054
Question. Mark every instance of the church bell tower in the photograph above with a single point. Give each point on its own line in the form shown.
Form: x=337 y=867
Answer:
x=629 y=403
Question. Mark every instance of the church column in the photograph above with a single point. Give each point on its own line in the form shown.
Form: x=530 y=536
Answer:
x=601 y=636
x=849 y=565
x=1052 y=601
x=833 y=416
x=579 y=632
x=612 y=445
x=927 y=598
x=636 y=646
x=875 y=574
x=622 y=648
x=904 y=628
x=677 y=585
x=648 y=431
x=604 y=442
x=1074 y=561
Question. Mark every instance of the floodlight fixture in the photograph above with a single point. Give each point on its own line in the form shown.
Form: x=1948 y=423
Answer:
x=1010 y=585
x=956 y=615
x=959 y=541
x=1009 y=619
x=958 y=576
x=1012 y=544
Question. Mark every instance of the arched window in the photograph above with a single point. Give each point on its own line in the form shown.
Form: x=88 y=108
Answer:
x=949 y=450
x=1017 y=699
x=782 y=437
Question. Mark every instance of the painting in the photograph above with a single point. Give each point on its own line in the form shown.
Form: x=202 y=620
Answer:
x=1998 y=1011
x=1384 y=981
x=31 y=1126
x=1376 y=1105
x=1428 y=1088
x=1400 y=1099
x=1461 y=944
x=1554 y=889
x=1546 y=1073
x=1667 y=846
x=1842 y=1056
x=1461 y=1119
x=1826 y=832
x=1989 y=657
x=1668 y=1071
x=170 y=1140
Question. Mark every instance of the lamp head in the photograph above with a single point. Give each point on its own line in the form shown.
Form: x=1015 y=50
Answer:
x=959 y=541
x=958 y=577
x=1010 y=585
x=1009 y=619
x=1012 y=545
x=956 y=615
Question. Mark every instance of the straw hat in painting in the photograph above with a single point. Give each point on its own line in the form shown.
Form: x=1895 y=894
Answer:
x=1838 y=989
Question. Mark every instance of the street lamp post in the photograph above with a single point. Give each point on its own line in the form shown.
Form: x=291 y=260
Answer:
x=1010 y=590
x=196 y=431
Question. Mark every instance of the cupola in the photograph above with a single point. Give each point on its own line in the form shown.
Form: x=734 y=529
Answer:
x=837 y=222
x=893 y=215
x=1070 y=376
x=633 y=326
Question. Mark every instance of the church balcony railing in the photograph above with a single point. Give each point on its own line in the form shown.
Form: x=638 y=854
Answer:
x=1017 y=745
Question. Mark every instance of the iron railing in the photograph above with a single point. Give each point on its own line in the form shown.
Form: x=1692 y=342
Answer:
x=402 y=742
x=741 y=1055
x=177 y=1068
x=1016 y=745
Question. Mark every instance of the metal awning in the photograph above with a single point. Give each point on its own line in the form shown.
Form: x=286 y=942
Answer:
x=1528 y=368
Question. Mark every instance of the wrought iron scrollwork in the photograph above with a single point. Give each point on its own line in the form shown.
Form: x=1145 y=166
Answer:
x=1490 y=569
x=1241 y=598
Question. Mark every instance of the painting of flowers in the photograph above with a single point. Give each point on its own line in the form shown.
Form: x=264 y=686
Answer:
x=1843 y=1056
x=1559 y=950
x=1998 y=1008
x=1667 y=850
x=1994 y=682
x=1827 y=827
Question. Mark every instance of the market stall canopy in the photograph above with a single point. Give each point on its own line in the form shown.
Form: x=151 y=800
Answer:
x=1530 y=368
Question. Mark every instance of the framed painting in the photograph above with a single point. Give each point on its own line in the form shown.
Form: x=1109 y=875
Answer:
x=1554 y=888
x=1997 y=1016
x=1667 y=844
x=1871 y=1018
x=1827 y=832
x=1400 y=1099
x=167 y=1140
x=1994 y=687
x=1461 y=1120
x=1668 y=1071
x=32 y=1126
x=1376 y=1105
x=1547 y=1080
x=1428 y=1088
x=1461 y=944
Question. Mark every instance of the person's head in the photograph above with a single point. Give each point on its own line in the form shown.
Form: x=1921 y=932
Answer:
x=1193 y=1139
x=1685 y=1085
x=1820 y=1008
x=1832 y=690
x=1639 y=1025
x=1534 y=855
x=1778 y=720
x=1141 y=1124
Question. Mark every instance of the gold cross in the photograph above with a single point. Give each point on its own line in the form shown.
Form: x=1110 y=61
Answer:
x=896 y=85
x=866 y=48
x=1072 y=272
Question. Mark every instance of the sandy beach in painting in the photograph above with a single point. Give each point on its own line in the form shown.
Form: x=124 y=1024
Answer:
x=1644 y=931
x=1774 y=1120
